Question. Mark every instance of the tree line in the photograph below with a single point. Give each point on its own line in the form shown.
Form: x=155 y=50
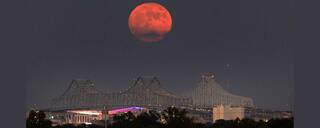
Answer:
x=170 y=118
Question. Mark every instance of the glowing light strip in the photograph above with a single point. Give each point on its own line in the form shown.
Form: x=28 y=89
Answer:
x=87 y=112
x=123 y=110
x=111 y=112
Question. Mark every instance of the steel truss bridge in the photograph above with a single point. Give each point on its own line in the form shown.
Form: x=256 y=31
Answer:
x=146 y=92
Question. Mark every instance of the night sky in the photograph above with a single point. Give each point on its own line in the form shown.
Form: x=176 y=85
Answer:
x=243 y=42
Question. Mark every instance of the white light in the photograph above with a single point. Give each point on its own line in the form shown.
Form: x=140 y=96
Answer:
x=87 y=112
x=87 y=123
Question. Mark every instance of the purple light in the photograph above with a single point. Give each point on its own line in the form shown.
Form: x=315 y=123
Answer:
x=124 y=110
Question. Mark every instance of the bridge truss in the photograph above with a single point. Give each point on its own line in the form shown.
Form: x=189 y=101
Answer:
x=145 y=92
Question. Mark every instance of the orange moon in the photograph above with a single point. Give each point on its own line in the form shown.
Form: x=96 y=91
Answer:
x=150 y=22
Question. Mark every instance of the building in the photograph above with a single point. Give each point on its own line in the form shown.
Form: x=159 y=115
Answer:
x=200 y=115
x=74 y=116
x=228 y=113
x=85 y=116
x=267 y=114
x=233 y=112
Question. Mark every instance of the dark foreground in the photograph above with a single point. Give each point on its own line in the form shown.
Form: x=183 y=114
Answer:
x=170 y=118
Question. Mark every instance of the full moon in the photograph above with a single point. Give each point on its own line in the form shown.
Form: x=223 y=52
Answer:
x=150 y=22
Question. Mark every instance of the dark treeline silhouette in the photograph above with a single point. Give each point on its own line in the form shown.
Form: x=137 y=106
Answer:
x=169 y=118
x=36 y=119
x=249 y=123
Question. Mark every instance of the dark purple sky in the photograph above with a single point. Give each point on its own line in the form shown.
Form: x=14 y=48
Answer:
x=90 y=39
